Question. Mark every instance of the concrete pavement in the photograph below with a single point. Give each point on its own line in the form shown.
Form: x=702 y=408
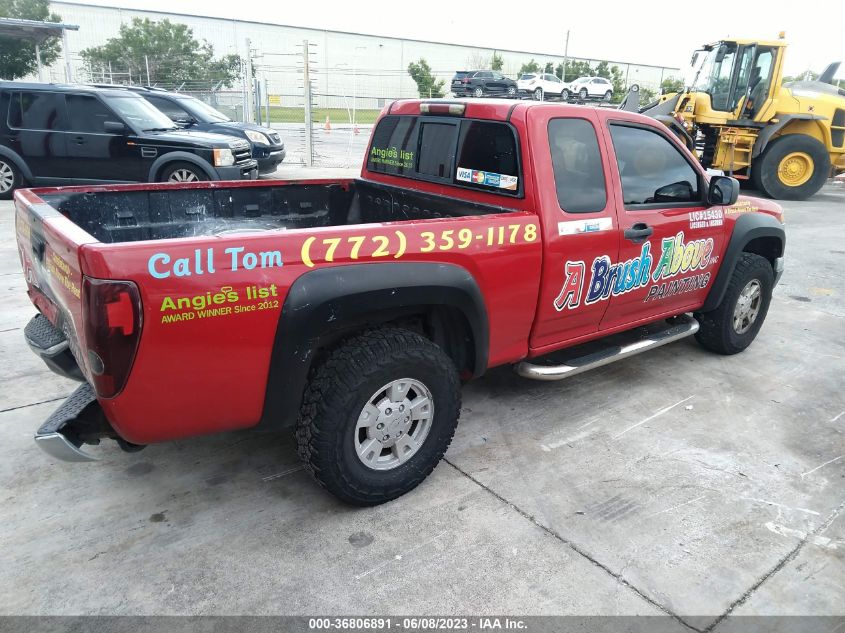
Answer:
x=677 y=482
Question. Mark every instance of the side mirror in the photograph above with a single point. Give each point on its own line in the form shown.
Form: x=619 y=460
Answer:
x=681 y=191
x=114 y=127
x=723 y=190
x=185 y=121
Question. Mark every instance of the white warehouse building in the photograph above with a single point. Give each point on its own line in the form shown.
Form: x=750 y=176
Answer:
x=372 y=68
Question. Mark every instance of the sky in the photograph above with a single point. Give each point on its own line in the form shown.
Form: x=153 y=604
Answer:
x=638 y=32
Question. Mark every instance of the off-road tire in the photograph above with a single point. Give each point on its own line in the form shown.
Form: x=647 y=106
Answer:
x=340 y=386
x=764 y=170
x=8 y=169
x=716 y=331
x=172 y=168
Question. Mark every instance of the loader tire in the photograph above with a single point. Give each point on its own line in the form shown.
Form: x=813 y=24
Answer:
x=793 y=167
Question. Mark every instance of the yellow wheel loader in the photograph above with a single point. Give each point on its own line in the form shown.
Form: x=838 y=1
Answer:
x=738 y=116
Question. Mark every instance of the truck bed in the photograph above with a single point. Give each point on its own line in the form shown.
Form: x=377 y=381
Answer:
x=140 y=214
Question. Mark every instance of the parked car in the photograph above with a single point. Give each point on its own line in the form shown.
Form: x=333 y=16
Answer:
x=477 y=235
x=481 y=83
x=542 y=86
x=591 y=87
x=54 y=134
x=191 y=113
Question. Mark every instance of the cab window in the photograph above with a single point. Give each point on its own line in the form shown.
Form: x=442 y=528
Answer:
x=579 y=175
x=652 y=169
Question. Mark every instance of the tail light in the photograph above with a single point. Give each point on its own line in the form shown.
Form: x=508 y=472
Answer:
x=111 y=311
x=465 y=80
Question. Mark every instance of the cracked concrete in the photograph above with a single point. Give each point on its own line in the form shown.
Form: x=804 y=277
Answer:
x=596 y=495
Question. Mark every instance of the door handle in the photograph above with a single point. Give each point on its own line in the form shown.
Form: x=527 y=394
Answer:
x=639 y=232
x=79 y=140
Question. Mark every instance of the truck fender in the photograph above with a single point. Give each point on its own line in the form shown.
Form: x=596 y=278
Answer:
x=186 y=157
x=19 y=162
x=326 y=303
x=769 y=131
x=748 y=227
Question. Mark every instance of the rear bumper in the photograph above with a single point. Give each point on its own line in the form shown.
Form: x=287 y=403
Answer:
x=61 y=435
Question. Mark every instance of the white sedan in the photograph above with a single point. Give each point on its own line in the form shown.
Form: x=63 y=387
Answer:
x=541 y=86
x=591 y=87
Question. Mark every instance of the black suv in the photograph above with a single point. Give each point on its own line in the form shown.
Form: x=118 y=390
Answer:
x=190 y=113
x=52 y=134
x=479 y=83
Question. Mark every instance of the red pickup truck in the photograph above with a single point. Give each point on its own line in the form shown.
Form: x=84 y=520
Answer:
x=479 y=233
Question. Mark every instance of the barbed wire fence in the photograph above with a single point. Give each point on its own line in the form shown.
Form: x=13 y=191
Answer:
x=323 y=113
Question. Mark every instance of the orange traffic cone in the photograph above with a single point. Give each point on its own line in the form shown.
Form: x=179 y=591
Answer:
x=328 y=126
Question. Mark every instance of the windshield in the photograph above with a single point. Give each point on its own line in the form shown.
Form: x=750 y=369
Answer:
x=203 y=111
x=140 y=113
x=714 y=77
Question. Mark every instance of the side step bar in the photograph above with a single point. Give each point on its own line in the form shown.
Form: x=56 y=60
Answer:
x=56 y=436
x=615 y=348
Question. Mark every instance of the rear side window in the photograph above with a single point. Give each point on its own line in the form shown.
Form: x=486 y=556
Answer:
x=34 y=111
x=652 y=169
x=579 y=175
x=469 y=153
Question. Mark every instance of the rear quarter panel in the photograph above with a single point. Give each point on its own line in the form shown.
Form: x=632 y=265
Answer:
x=211 y=307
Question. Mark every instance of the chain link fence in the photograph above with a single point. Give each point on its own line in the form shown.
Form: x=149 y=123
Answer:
x=324 y=111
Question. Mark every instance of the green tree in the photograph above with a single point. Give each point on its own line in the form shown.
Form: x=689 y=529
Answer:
x=671 y=84
x=647 y=95
x=170 y=51
x=427 y=85
x=496 y=62
x=574 y=69
x=17 y=57
x=616 y=78
x=550 y=68
x=529 y=68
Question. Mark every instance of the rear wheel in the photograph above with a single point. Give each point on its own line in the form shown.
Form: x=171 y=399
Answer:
x=538 y=94
x=378 y=414
x=793 y=167
x=10 y=178
x=735 y=322
x=478 y=92
x=511 y=91
x=183 y=172
x=608 y=95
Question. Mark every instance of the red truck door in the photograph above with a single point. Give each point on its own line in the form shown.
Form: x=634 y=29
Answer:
x=577 y=206
x=670 y=237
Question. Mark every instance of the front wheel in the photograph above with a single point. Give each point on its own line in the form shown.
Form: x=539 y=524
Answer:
x=565 y=94
x=10 y=178
x=583 y=93
x=183 y=172
x=793 y=167
x=378 y=414
x=538 y=94
x=735 y=322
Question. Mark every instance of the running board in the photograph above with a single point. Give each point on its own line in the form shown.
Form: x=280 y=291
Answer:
x=615 y=347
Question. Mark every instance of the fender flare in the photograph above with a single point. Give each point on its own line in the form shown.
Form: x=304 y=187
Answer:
x=19 y=162
x=748 y=227
x=336 y=300
x=765 y=135
x=186 y=157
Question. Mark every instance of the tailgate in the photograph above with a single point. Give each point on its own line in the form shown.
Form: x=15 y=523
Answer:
x=48 y=244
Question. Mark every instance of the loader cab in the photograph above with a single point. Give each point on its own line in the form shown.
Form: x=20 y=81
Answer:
x=735 y=80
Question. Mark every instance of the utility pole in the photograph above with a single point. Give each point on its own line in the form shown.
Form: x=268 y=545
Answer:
x=309 y=128
x=147 y=62
x=565 y=56
x=249 y=116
